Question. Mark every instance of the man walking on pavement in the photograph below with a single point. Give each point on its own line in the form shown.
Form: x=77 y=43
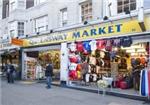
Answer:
x=9 y=68
x=49 y=74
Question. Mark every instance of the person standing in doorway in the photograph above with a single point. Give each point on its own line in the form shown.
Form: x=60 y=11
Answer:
x=49 y=74
x=10 y=69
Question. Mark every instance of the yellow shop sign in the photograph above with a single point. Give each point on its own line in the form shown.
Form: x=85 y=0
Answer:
x=90 y=32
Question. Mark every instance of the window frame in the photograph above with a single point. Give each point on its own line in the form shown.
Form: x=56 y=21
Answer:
x=124 y=5
x=12 y=4
x=86 y=11
x=64 y=17
x=21 y=28
x=42 y=24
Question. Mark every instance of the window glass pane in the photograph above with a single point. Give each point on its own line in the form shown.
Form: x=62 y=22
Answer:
x=86 y=11
x=40 y=23
x=132 y=6
x=120 y=2
x=126 y=2
x=126 y=7
x=133 y=1
x=64 y=16
x=120 y=9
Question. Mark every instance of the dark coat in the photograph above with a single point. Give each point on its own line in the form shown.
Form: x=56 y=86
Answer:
x=49 y=70
x=9 y=68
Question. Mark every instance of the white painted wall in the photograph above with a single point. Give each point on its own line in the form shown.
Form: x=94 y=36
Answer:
x=64 y=62
x=52 y=9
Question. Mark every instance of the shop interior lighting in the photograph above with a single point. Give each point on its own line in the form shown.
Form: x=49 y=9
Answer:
x=137 y=46
x=141 y=50
x=130 y=51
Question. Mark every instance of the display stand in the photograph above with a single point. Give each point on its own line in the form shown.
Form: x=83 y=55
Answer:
x=102 y=85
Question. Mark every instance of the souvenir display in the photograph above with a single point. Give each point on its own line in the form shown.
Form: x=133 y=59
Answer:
x=110 y=58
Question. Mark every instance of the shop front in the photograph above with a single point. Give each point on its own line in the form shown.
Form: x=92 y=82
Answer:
x=10 y=53
x=116 y=52
x=35 y=60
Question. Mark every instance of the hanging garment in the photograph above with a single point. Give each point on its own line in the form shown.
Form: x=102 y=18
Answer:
x=85 y=68
x=72 y=47
x=149 y=83
x=87 y=46
x=97 y=69
x=146 y=82
x=73 y=66
x=93 y=45
x=73 y=75
x=38 y=72
x=78 y=58
x=113 y=55
x=85 y=52
x=93 y=53
x=79 y=68
x=101 y=44
x=126 y=41
x=108 y=45
x=92 y=61
x=87 y=77
x=143 y=83
x=79 y=74
x=102 y=54
x=94 y=77
x=80 y=47
x=117 y=42
x=143 y=60
x=73 y=58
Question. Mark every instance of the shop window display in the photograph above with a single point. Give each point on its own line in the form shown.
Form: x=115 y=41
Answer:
x=116 y=58
x=35 y=66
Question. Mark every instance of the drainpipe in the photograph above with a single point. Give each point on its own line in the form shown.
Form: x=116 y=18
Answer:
x=141 y=15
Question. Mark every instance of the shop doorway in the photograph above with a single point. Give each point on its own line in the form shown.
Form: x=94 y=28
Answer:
x=36 y=59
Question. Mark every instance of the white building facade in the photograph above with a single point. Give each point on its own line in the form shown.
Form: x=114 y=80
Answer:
x=50 y=27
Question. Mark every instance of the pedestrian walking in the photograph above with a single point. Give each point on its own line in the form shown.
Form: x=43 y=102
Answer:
x=10 y=70
x=49 y=74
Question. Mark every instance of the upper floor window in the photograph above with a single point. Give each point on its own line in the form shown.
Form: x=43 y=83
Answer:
x=86 y=11
x=41 y=24
x=7 y=10
x=20 y=28
x=12 y=6
x=12 y=29
x=39 y=1
x=126 y=5
x=64 y=17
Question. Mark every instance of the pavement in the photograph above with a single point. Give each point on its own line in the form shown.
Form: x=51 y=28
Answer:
x=37 y=94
